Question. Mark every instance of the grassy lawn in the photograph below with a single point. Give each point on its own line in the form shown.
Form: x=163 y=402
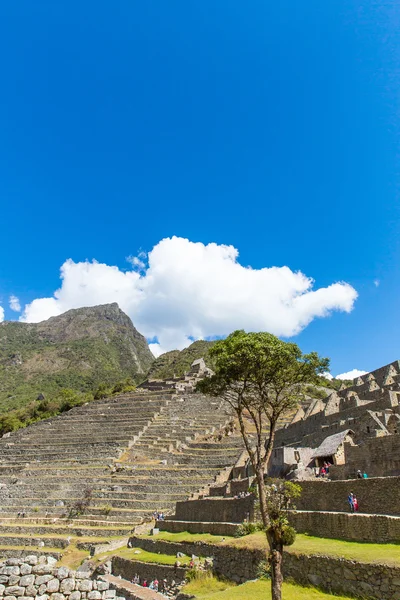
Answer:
x=144 y=556
x=256 y=590
x=185 y=536
x=360 y=551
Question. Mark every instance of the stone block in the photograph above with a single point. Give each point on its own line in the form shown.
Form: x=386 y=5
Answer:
x=26 y=580
x=41 y=579
x=10 y=571
x=75 y=596
x=86 y=585
x=42 y=597
x=62 y=573
x=102 y=585
x=57 y=597
x=42 y=569
x=14 y=580
x=2 y=588
x=95 y=595
x=3 y=578
x=25 y=569
x=51 y=561
x=10 y=598
x=110 y=594
x=13 y=562
x=14 y=590
x=31 y=590
x=67 y=585
x=53 y=586
x=31 y=559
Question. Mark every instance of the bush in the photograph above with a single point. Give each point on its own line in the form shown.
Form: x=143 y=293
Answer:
x=248 y=528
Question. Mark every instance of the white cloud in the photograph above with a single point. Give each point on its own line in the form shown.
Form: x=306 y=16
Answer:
x=195 y=290
x=1 y=314
x=351 y=374
x=377 y=283
x=327 y=375
x=15 y=304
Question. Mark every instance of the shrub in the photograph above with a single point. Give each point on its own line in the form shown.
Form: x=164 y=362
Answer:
x=248 y=528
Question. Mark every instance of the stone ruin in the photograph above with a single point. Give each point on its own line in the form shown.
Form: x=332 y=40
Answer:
x=38 y=578
x=354 y=428
x=184 y=384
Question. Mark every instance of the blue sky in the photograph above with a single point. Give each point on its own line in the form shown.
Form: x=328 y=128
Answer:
x=270 y=127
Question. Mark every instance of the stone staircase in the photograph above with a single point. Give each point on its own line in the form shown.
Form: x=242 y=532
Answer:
x=128 y=456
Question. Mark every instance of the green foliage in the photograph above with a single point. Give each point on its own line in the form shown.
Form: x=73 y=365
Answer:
x=264 y=570
x=178 y=362
x=248 y=529
x=280 y=496
x=76 y=351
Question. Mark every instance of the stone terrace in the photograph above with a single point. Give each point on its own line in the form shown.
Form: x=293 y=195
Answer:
x=132 y=454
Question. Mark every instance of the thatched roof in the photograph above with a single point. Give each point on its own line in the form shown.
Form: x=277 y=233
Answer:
x=331 y=444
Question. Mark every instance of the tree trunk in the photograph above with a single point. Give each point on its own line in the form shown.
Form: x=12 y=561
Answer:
x=262 y=496
x=276 y=571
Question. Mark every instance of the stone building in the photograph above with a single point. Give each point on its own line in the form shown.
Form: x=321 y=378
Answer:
x=369 y=409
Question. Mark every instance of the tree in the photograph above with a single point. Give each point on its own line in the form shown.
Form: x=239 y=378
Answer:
x=279 y=497
x=262 y=378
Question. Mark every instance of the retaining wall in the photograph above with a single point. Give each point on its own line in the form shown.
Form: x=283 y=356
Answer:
x=37 y=578
x=335 y=575
x=127 y=569
x=198 y=527
x=228 y=510
x=353 y=527
x=377 y=495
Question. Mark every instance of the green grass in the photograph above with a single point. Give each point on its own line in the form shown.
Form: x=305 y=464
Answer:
x=212 y=589
x=144 y=556
x=360 y=551
x=185 y=536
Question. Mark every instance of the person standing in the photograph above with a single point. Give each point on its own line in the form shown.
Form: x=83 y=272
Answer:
x=350 y=498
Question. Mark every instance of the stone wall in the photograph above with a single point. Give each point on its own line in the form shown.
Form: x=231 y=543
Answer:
x=378 y=457
x=230 y=510
x=38 y=577
x=236 y=564
x=357 y=527
x=127 y=569
x=340 y=576
x=198 y=527
x=335 y=575
x=378 y=495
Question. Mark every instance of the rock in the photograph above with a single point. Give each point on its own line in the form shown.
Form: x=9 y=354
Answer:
x=110 y=594
x=14 y=590
x=13 y=579
x=62 y=573
x=3 y=578
x=102 y=585
x=42 y=597
x=42 y=589
x=26 y=580
x=12 y=562
x=43 y=579
x=53 y=586
x=51 y=561
x=75 y=596
x=2 y=588
x=85 y=585
x=31 y=590
x=10 y=597
x=25 y=569
x=94 y=595
x=57 y=597
x=31 y=559
x=42 y=569
x=67 y=585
